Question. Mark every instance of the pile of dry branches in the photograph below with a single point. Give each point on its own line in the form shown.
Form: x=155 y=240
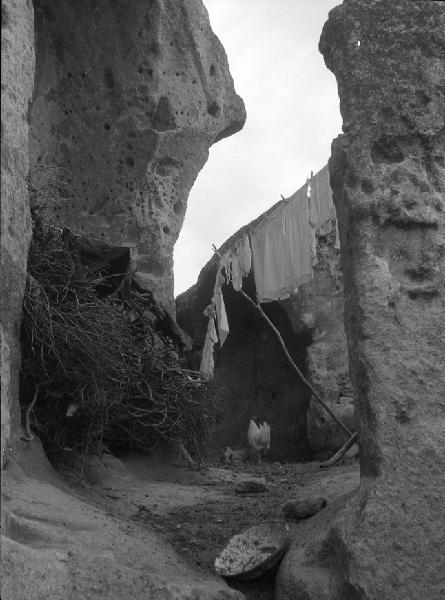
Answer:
x=103 y=375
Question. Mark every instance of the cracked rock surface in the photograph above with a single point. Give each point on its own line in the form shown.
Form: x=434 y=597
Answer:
x=388 y=177
x=127 y=102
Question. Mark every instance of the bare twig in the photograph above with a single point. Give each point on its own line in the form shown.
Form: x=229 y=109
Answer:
x=339 y=455
x=85 y=349
x=29 y=436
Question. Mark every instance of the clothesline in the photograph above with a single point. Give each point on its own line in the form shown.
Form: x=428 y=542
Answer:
x=280 y=246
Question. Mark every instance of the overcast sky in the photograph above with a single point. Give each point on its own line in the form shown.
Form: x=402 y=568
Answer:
x=292 y=116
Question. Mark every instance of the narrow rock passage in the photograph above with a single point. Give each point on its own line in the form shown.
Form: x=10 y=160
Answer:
x=197 y=512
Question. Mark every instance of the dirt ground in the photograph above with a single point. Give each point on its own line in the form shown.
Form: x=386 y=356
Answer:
x=198 y=511
x=140 y=527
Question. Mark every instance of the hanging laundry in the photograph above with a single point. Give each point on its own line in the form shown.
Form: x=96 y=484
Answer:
x=207 y=366
x=225 y=263
x=269 y=269
x=237 y=278
x=322 y=205
x=298 y=232
x=313 y=244
x=281 y=249
x=221 y=314
x=237 y=262
x=245 y=256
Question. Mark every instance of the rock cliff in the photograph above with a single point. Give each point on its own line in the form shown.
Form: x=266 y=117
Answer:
x=17 y=86
x=111 y=130
x=388 y=177
x=127 y=102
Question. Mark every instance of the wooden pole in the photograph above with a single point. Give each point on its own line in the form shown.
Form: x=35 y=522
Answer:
x=338 y=455
x=29 y=436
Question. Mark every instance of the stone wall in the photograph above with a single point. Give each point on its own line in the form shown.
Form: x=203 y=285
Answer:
x=127 y=102
x=17 y=85
x=388 y=177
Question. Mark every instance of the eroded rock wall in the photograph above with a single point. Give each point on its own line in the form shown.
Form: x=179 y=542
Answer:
x=17 y=84
x=318 y=309
x=388 y=177
x=128 y=99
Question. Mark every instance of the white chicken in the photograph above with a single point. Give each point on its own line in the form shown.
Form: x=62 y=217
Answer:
x=258 y=438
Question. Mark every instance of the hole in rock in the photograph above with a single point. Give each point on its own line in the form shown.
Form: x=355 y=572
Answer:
x=213 y=109
x=387 y=150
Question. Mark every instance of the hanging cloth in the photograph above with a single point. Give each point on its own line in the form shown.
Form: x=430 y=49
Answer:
x=322 y=205
x=313 y=244
x=245 y=256
x=206 y=368
x=226 y=264
x=281 y=253
x=268 y=257
x=221 y=314
x=299 y=236
x=237 y=278
x=240 y=262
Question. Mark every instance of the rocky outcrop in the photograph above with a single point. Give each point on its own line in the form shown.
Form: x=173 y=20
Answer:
x=318 y=308
x=122 y=111
x=388 y=177
x=126 y=104
x=57 y=544
x=17 y=84
x=252 y=375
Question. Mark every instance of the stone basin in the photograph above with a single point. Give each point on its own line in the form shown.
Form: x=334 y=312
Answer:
x=251 y=553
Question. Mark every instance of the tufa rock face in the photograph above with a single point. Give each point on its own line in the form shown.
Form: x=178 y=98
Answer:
x=17 y=83
x=318 y=308
x=127 y=103
x=388 y=177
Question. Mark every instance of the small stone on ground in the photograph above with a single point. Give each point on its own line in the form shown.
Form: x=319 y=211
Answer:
x=294 y=510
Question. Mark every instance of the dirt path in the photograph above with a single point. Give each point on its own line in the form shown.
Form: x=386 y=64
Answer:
x=198 y=511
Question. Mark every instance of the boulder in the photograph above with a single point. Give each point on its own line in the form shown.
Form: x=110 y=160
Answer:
x=306 y=570
x=303 y=508
x=252 y=485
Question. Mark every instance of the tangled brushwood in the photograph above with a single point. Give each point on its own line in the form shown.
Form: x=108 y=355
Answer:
x=99 y=372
